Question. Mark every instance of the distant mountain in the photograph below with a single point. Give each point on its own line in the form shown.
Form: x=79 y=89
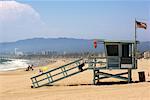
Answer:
x=144 y=46
x=59 y=45
x=50 y=44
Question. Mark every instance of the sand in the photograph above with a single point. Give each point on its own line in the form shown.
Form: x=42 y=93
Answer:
x=15 y=85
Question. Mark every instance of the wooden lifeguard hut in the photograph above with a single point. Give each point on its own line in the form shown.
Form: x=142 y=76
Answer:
x=120 y=55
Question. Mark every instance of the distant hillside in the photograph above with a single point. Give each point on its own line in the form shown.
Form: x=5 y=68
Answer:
x=144 y=46
x=58 y=45
x=50 y=44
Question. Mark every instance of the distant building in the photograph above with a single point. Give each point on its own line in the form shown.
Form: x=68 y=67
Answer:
x=19 y=53
x=102 y=54
x=146 y=54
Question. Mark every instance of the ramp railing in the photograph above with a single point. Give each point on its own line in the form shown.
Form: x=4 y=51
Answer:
x=59 y=73
x=96 y=62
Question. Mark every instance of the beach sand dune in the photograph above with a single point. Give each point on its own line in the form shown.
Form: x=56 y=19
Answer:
x=15 y=85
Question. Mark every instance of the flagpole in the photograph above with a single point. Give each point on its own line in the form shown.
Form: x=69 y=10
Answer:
x=135 y=46
x=135 y=35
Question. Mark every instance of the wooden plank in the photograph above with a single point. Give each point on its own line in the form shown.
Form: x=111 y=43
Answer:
x=33 y=82
x=68 y=76
x=62 y=71
x=36 y=82
x=65 y=71
x=41 y=80
x=107 y=75
x=48 y=78
x=55 y=75
x=57 y=68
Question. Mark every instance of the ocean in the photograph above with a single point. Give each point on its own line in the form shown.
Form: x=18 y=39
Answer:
x=13 y=64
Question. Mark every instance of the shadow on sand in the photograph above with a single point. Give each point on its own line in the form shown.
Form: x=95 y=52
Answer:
x=71 y=85
x=100 y=83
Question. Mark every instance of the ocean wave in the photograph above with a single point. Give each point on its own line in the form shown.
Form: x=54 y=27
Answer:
x=14 y=64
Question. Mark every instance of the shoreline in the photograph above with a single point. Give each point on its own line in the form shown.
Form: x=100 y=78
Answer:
x=24 y=63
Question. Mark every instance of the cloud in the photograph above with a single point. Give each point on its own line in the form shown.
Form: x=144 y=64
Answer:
x=18 y=21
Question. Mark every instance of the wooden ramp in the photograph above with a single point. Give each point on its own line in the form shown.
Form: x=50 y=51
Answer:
x=59 y=73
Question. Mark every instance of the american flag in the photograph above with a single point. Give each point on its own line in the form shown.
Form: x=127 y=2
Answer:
x=141 y=25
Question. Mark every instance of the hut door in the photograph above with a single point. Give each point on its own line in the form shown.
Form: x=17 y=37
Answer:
x=113 y=56
x=126 y=59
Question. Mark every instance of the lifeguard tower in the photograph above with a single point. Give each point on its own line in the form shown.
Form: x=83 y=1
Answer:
x=119 y=55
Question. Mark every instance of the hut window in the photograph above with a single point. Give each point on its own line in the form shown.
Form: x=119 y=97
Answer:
x=126 y=50
x=112 y=50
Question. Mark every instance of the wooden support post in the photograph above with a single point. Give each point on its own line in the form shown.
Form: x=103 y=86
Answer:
x=48 y=78
x=63 y=71
x=98 y=76
x=33 y=82
x=94 y=77
x=94 y=80
x=129 y=75
x=36 y=82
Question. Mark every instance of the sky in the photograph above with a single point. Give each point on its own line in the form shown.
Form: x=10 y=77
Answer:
x=86 y=19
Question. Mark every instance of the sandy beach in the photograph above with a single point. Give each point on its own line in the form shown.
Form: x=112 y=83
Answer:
x=16 y=85
x=74 y=49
